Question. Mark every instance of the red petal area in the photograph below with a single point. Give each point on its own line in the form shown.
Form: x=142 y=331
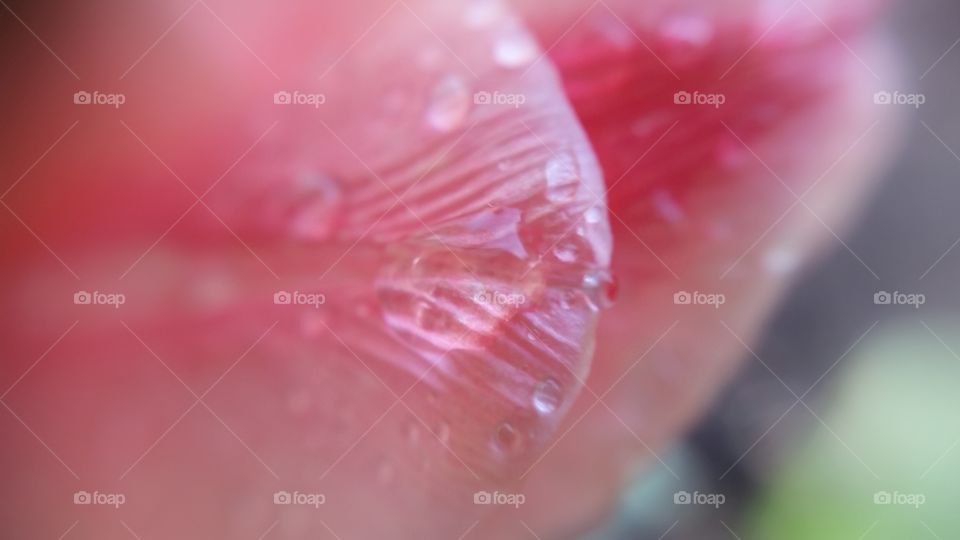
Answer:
x=388 y=298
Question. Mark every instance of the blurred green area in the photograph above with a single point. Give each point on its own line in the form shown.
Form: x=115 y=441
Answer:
x=883 y=463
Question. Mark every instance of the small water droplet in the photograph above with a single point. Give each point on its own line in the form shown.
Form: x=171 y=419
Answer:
x=601 y=288
x=363 y=309
x=313 y=323
x=299 y=402
x=731 y=153
x=508 y=439
x=443 y=433
x=547 y=396
x=562 y=178
x=431 y=318
x=385 y=472
x=565 y=253
x=593 y=215
x=430 y=58
x=689 y=30
x=449 y=103
x=515 y=49
x=413 y=434
x=610 y=28
x=316 y=217
x=482 y=13
x=667 y=207
x=780 y=260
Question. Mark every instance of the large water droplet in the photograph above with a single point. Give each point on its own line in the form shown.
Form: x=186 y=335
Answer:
x=601 y=288
x=449 y=103
x=562 y=178
x=547 y=396
x=515 y=49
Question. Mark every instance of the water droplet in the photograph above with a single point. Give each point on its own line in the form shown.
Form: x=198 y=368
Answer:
x=731 y=153
x=316 y=217
x=515 y=49
x=594 y=215
x=449 y=104
x=431 y=318
x=547 y=396
x=608 y=27
x=443 y=433
x=508 y=439
x=364 y=308
x=690 y=30
x=299 y=402
x=313 y=323
x=780 y=260
x=667 y=207
x=568 y=299
x=385 y=472
x=565 y=253
x=482 y=13
x=719 y=230
x=413 y=434
x=601 y=288
x=562 y=178
x=430 y=58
